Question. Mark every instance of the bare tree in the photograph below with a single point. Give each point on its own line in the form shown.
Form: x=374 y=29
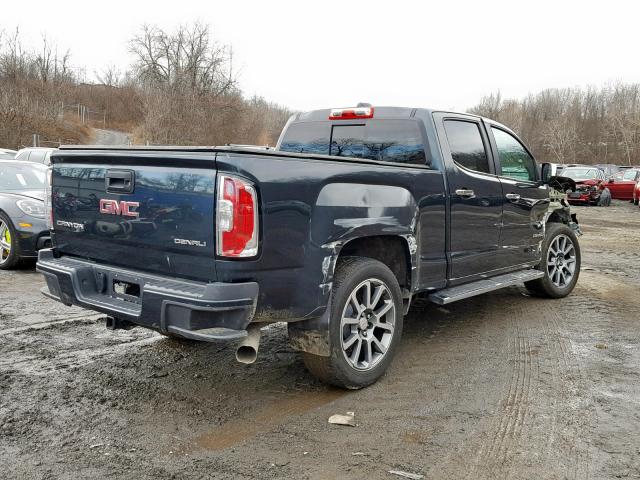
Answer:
x=588 y=126
x=560 y=139
x=110 y=76
x=187 y=59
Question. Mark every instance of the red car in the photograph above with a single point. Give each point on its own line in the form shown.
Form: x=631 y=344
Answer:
x=623 y=184
x=591 y=187
x=636 y=194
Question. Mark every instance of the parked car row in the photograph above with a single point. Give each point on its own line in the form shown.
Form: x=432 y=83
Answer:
x=6 y=154
x=29 y=154
x=23 y=229
x=598 y=184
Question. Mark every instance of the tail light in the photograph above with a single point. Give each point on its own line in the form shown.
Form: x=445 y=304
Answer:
x=48 y=202
x=236 y=218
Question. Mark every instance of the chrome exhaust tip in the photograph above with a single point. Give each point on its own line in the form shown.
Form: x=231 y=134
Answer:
x=247 y=351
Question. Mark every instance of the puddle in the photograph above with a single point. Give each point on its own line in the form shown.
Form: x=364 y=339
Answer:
x=266 y=419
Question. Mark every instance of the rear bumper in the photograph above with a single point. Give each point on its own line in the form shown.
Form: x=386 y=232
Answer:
x=201 y=311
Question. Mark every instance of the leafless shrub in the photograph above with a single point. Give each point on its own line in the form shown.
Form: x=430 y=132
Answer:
x=181 y=90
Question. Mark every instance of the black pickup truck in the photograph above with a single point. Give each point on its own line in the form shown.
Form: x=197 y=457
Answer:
x=335 y=230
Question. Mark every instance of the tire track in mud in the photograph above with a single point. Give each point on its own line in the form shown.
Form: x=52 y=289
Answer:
x=570 y=383
x=565 y=374
x=83 y=317
x=45 y=365
x=535 y=420
x=495 y=454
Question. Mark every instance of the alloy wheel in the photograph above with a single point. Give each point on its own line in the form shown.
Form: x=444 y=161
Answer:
x=367 y=324
x=5 y=242
x=561 y=261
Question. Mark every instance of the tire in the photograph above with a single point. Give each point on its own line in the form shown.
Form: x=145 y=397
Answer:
x=635 y=201
x=354 y=330
x=560 y=263
x=9 y=250
x=605 y=198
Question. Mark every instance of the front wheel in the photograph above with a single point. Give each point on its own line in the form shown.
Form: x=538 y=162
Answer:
x=560 y=263
x=365 y=325
x=9 y=255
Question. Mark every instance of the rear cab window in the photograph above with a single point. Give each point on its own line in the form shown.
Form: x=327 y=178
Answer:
x=388 y=140
x=466 y=144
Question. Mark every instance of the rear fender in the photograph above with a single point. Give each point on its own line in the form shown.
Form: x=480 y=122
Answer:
x=345 y=212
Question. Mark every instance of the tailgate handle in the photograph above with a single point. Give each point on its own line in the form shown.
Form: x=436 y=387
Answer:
x=119 y=181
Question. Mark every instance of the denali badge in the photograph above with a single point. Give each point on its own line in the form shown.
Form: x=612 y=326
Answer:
x=78 y=227
x=195 y=243
x=114 y=207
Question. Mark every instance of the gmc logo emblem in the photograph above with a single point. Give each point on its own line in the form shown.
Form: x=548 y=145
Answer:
x=114 y=207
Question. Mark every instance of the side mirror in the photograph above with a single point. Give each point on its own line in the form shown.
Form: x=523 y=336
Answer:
x=545 y=172
x=611 y=180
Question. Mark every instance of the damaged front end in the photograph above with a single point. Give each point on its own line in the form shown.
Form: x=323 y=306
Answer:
x=559 y=210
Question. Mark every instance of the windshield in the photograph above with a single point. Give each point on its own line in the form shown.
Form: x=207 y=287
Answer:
x=630 y=175
x=580 y=173
x=22 y=177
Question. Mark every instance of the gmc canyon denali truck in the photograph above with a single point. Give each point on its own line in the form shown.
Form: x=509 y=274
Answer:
x=354 y=212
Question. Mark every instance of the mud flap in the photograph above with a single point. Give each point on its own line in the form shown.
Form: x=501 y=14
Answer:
x=312 y=336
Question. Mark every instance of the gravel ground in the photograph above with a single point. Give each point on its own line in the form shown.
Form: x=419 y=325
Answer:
x=110 y=137
x=498 y=386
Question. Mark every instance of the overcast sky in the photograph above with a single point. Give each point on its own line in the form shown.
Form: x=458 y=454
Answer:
x=309 y=54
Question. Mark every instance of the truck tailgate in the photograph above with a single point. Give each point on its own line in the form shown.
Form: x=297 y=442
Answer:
x=151 y=212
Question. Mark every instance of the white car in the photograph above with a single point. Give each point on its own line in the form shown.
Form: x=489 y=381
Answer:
x=7 y=154
x=35 y=154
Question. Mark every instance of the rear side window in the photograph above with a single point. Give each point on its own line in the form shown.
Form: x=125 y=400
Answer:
x=398 y=141
x=37 y=156
x=308 y=137
x=515 y=160
x=466 y=145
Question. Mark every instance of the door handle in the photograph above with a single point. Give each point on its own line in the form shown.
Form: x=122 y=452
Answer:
x=463 y=192
x=119 y=181
x=513 y=196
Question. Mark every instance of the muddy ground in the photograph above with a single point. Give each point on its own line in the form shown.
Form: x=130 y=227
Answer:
x=498 y=386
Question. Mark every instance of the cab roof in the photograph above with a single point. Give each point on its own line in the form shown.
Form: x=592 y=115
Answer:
x=387 y=113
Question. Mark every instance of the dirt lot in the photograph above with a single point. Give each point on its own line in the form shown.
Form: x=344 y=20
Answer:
x=499 y=386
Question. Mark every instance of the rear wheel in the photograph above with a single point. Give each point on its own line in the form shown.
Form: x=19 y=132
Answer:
x=9 y=256
x=560 y=263
x=365 y=325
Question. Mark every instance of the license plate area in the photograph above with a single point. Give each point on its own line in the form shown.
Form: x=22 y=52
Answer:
x=129 y=291
x=576 y=194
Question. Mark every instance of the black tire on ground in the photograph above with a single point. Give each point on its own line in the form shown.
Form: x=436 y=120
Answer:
x=635 y=201
x=336 y=369
x=605 y=198
x=14 y=254
x=545 y=286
